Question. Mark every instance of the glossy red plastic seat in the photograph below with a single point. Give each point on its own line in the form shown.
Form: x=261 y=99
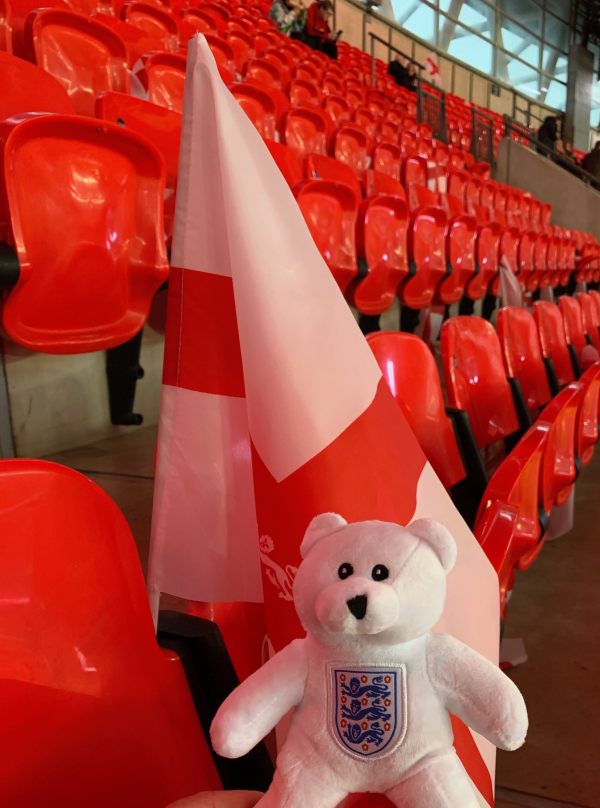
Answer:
x=522 y=353
x=525 y=258
x=87 y=287
x=337 y=108
x=574 y=328
x=318 y=166
x=25 y=87
x=137 y=41
x=427 y=257
x=90 y=701
x=303 y=93
x=258 y=106
x=553 y=340
x=409 y=369
x=6 y=45
x=487 y=252
x=306 y=130
x=265 y=73
x=461 y=236
x=86 y=56
x=329 y=209
x=163 y=77
x=198 y=20
x=475 y=378
x=288 y=162
x=591 y=317
x=156 y=22
x=387 y=158
x=351 y=146
x=508 y=521
x=242 y=47
x=559 y=466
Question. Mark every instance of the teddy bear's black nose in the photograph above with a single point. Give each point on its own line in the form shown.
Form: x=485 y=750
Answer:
x=358 y=606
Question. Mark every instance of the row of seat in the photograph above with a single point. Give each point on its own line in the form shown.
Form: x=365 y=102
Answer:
x=521 y=418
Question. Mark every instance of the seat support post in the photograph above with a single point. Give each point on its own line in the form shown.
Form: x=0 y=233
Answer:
x=123 y=370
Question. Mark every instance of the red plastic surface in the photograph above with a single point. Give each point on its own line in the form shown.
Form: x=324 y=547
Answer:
x=306 y=130
x=337 y=108
x=155 y=22
x=329 y=209
x=487 y=252
x=6 y=34
x=163 y=76
x=288 y=162
x=553 y=340
x=25 y=87
x=91 y=704
x=427 y=255
x=573 y=321
x=387 y=159
x=92 y=289
x=476 y=380
x=559 y=469
x=409 y=369
x=522 y=353
x=263 y=72
x=316 y=166
x=258 y=106
x=461 y=237
x=242 y=47
x=86 y=56
x=351 y=146
x=591 y=317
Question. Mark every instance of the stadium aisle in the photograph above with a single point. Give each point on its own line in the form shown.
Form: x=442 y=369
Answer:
x=555 y=607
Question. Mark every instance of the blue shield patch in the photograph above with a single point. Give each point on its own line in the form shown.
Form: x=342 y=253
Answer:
x=367 y=709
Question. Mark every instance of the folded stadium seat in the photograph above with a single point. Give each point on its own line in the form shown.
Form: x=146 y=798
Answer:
x=545 y=216
x=409 y=368
x=154 y=21
x=308 y=71
x=259 y=106
x=307 y=130
x=591 y=317
x=562 y=458
x=577 y=339
x=461 y=236
x=413 y=174
x=553 y=341
x=241 y=24
x=536 y=215
x=366 y=120
x=242 y=46
x=476 y=383
x=507 y=257
x=337 y=108
x=330 y=211
x=350 y=144
x=137 y=42
x=386 y=158
x=159 y=125
x=539 y=278
x=25 y=87
x=303 y=93
x=508 y=525
x=570 y=262
x=92 y=704
x=514 y=211
x=550 y=274
x=265 y=73
x=5 y=27
x=86 y=56
x=288 y=162
x=163 y=77
x=525 y=259
x=102 y=278
x=427 y=255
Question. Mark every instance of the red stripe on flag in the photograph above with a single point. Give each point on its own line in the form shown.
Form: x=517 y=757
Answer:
x=370 y=471
x=202 y=347
x=471 y=759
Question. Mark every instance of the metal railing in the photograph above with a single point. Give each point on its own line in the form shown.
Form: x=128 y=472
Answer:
x=482 y=136
x=512 y=128
x=431 y=108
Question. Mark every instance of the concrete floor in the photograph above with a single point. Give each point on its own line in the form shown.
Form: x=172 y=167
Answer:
x=555 y=608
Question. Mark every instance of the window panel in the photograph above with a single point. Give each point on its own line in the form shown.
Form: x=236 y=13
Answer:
x=526 y=12
x=520 y=42
x=421 y=22
x=561 y=8
x=470 y=48
x=555 y=63
x=595 y=118
x=480 y=16
x=557 y=95
x=556 y=33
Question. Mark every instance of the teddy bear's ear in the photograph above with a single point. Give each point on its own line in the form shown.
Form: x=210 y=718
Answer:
x=323 y=525
x=439 y=538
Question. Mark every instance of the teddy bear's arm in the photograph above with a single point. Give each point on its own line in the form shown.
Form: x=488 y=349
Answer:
x=260 y=702
x=477 y=691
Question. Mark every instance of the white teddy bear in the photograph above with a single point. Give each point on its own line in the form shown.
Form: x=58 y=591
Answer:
x=372 y=686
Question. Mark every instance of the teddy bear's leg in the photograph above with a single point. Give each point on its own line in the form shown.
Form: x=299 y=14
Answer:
x=295 y=787
x=440 y=783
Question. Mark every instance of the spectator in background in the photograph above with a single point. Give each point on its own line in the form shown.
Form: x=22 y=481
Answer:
x=548 y=133
x=398 y=71
x=412 y=77
x=318 y=32
x=591 y=162
x=570 y=153
x=289 y=17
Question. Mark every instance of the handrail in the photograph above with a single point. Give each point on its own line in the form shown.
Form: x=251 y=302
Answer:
x=511 y=127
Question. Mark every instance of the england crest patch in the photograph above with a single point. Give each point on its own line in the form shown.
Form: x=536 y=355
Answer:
x=367 y=708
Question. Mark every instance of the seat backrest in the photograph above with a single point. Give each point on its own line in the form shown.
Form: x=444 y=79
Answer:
x=589 y=311
x=84 y=55
x=522 y=353
x=101 y=279
x=159 y=125
x=559 y=467
x=410 y=371
x=387 y=159
x=573 y=320
x=306 y=130
x=26 y=88
x=288 y=162
x=337 y=108
x=156 y=22
x=374 y=182
x=258 y=106
x=83 y=678
x=553 y=340
x=352 y=147
x=475 y=378
x=163 y=76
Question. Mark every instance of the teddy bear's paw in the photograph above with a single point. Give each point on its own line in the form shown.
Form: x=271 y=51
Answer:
x=511 y=743
x=225 y=742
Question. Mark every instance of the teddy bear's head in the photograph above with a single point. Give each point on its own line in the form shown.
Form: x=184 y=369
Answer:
x=376 y=581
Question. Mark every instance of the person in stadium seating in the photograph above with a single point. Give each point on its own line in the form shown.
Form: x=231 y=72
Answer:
x=591 y=162
x=317 y=31
x=548 y=133
x=289 y=17
x=412 y=77
x=398 y=71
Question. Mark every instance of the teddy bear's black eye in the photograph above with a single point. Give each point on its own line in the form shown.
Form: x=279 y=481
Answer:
x=380 y=572
x=345 y=570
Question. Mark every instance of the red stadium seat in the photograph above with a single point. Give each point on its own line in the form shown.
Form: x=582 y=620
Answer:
x=525 y=258
x=86 y=56
x=224 y=55
x=258 y=106
x=137 y=42
x=318 y=166
x=306 y=130
x=574 y=329
x=351 y=146
x=288 y=162
x=303 y=93
x=265 y=73
x=427 y=257
x=330 y=212
x=387 y=158
x=242 y=47
x=6 y=45
x=25 y=87
x=409 y=368
x=591 y=317
x=337 y=108
x=92 y=704
x=156 y=22
x=554 y=342
x=163 y=77
x=461 y=235
x=92 y=290
x=523 y=359
x=197 y=20
x=476 y=381
x=559 y=467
